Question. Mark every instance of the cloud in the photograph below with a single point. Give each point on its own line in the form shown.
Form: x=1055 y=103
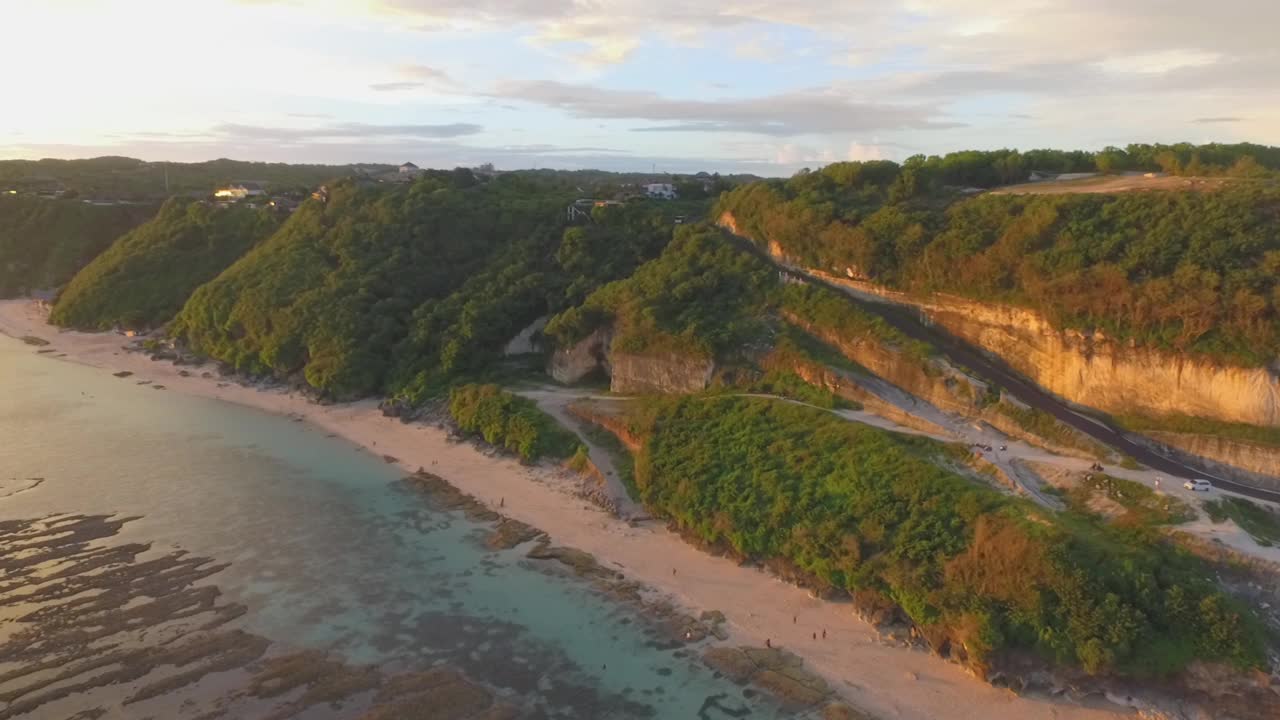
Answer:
x=396 y=86
x=235 y=131
x=795 y=113
x=415 y=77
x=1209 y=120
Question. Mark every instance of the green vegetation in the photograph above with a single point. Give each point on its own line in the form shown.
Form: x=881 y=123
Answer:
x=1262 y=524
x=1143 y=506
x=833 y=314
x=510 y=421
x=44 y=242
x=864 y=511
x=702 y=297
x=1243 y=432
x=122 y=178
x=143 y=279
x=407 y=289
x=1197 y=272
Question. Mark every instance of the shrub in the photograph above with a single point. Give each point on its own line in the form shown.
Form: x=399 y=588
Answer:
x=510 y=422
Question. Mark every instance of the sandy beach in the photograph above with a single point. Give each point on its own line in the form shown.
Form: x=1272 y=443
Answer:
x=890 y=682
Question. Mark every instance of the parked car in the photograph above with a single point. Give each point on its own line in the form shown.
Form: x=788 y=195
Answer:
x=1198 y=485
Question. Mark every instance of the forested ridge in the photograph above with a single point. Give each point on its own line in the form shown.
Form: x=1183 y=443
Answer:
x=144 y=278
x=123 y=178
x=44 y=243
x=1195 y=272
x=401 y=290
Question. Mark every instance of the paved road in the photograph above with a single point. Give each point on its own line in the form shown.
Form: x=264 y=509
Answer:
x=908 y=320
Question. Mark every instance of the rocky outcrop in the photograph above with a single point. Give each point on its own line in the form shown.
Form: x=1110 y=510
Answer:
x=630 y=372
x=571 y=364
x=933 y=380
x=660 y=373
x=1088 y=369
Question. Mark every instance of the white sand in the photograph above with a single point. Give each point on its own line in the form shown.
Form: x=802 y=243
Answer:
x=888 y=681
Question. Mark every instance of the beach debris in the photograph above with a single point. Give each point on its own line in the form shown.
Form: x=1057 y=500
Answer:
x=184 y=373
x=157 y=387
x=390 y=459
x=122 y=374
x=144 y=382
x=33 y=340
x=46 y=351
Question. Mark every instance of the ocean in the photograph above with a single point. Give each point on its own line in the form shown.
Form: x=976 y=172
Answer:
x=176 y=557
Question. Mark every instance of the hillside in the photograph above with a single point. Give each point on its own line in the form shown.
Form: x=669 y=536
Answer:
x=122 y=178
x=1192 y=272
x=43 y=243
x=183 y=247
x=397 y=289
x=879 y=517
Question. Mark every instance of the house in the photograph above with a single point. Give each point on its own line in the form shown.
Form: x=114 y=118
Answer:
x=240 y=191
x=409 y=169
x=283 y=204
x=664 y=191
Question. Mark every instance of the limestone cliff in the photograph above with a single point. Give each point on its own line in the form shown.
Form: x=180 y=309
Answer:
x=1252 y=463
x=1090 y=370
x=630 y=372
x=659 y=373
x=569 y=365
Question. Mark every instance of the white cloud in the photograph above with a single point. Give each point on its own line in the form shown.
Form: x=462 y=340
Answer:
x=817 y=110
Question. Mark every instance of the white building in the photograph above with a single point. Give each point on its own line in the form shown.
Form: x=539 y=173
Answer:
x=664 y=191
x=239 y=191
x=409 y=169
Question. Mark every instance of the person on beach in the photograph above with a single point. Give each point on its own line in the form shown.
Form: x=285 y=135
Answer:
x=815 y=636
x=767 y=643
x=824 y=633
x=502 y=502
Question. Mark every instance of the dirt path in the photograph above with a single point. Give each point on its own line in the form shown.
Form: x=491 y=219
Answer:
x=554 y=402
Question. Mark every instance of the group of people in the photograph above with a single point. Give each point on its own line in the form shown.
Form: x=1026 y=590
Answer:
x=795 y=619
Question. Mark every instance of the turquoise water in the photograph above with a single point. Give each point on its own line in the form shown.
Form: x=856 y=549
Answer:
x=327 y=549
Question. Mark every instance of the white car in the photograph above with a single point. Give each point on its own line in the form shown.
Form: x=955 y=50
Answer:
x=1197 y=485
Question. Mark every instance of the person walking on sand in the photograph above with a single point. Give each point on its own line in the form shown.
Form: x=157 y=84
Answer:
x=767 y=643
x=502 y=502
x=824 y=633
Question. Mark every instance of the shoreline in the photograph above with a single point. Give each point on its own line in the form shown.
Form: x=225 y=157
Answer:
x=870 y=673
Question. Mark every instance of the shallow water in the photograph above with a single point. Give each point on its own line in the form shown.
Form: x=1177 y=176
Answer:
x=327 y=549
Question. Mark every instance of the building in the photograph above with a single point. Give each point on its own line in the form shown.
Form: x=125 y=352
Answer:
x=662 y=191
x=409 y=169
x=240 y=191
x=283 y=204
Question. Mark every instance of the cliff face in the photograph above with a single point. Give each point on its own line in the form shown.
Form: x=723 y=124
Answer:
x=630 y=372
x=1093 y=370
x=571 y=364
x=933 y=381
x=666 y=373
x=1248 y=462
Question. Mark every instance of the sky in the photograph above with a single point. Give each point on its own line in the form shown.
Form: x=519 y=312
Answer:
x=759 y=86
